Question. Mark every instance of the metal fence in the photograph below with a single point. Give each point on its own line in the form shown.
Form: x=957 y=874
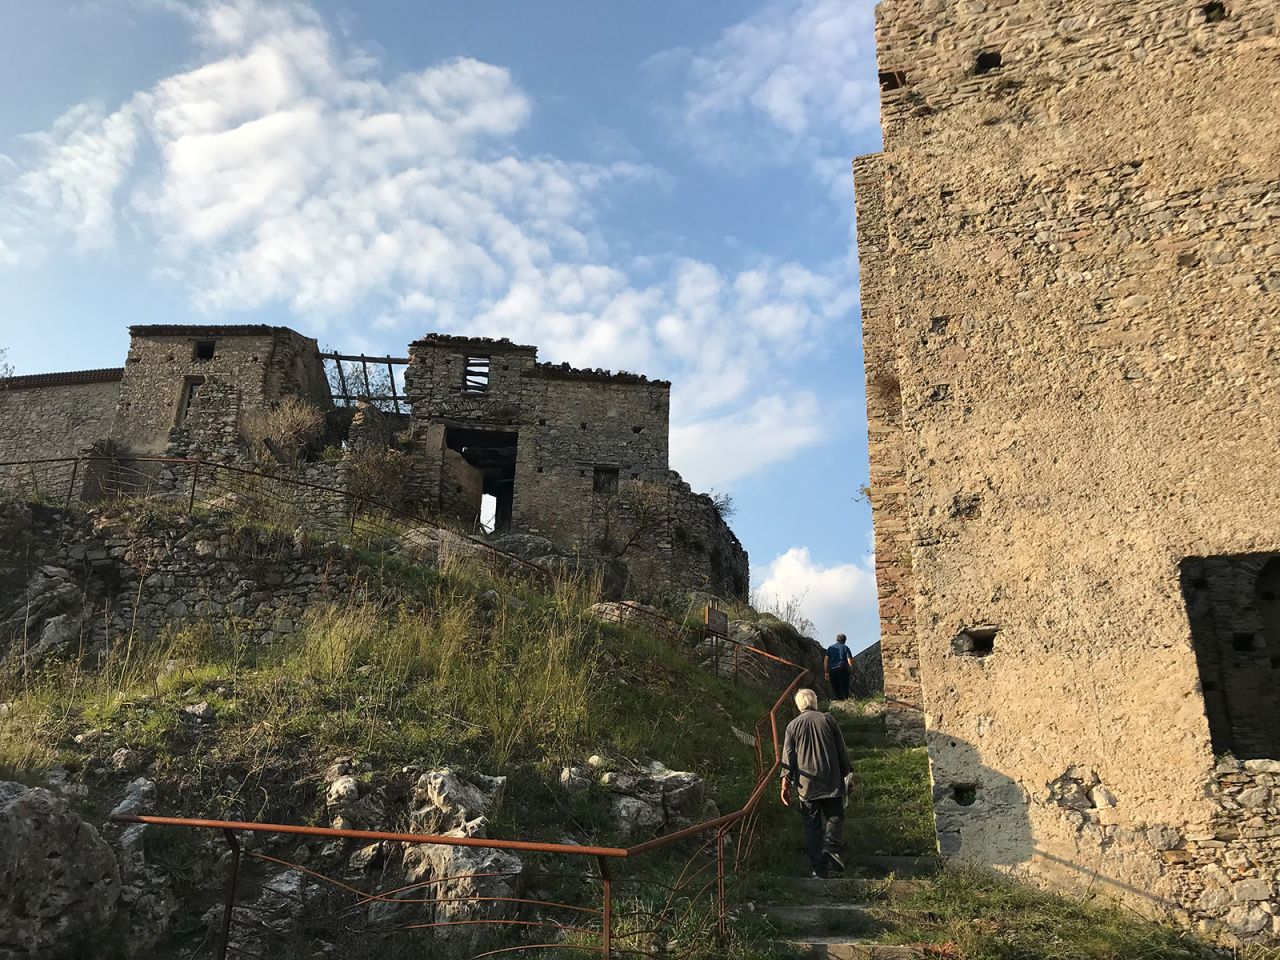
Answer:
x=629 y=913
x=280 y=500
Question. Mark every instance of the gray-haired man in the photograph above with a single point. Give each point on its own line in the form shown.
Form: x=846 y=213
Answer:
x=815 y=763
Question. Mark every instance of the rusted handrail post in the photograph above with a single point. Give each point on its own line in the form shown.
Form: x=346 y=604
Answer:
x=225 y=942
x=721 y=912
x=71 y=488
x=606 y=929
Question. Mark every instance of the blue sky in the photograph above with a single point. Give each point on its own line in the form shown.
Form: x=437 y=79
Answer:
x=662 y=187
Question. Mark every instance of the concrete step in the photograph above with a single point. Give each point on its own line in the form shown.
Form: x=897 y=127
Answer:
x=823 y=919
x=842 y=948
x=883 y=865
x=851 y=889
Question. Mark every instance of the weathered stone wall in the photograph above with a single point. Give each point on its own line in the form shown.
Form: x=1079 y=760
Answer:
x=260 y=364
x=567 y=426
x=160 y=365
x=71 y=581
x=887 y=487
x=868 y=672
x=1081 y=208
x=56 y=415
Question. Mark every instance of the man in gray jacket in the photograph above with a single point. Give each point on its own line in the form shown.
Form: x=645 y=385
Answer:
x=815 y=764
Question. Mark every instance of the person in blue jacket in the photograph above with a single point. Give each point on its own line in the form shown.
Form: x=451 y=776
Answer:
x=839 y=667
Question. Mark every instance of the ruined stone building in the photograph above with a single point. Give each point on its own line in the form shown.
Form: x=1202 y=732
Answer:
x=1070 y=262
x=576 y=456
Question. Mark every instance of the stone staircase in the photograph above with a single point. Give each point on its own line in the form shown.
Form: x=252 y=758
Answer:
x=833 y=919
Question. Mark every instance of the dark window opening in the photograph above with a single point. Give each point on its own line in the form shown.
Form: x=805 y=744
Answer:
x=203 y=350
x=637 y=429
x=975 y=642
x=475 y=375
x=1214 y=12
x=605 y=481
x=1234 y=618
x=492 y=453
x=988 y=60
x=964 y=794
x=190 y=389
x=892 y=79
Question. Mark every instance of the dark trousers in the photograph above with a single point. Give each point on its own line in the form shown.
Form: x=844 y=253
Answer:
x=840 y=683
x=823 y=824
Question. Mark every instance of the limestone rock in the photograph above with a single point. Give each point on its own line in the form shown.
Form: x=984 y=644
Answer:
x=139 y=799
x=59 y=881
x=200 y=712
x=444 y=801
x=458 y=884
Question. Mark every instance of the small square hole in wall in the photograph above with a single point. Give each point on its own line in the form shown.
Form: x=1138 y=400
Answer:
x=1214 y=12
x=584 y=426
x=975 y=642
x=987 y=62
x=605 y=480
x=1243 y=642
x=892 y=79
x=204 y=350
x=637 y=429
x=939 y=324
x=964 y=794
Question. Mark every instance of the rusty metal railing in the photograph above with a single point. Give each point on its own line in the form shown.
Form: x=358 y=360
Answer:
x=686 y=918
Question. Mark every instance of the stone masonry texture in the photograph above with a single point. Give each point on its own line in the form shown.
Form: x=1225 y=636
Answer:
x=1071 y=282
x=576 y=456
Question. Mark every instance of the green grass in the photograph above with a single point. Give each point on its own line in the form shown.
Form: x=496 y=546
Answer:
x=987 y=917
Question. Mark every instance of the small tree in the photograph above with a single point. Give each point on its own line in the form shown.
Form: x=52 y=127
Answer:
x=6 y=368
x=631 y=516
x=723 y=504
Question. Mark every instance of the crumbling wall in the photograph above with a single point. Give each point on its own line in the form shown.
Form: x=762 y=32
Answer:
x=1081 y=209
x=56 y=414
x=72 y=581
x=576 y=423
x=461 y=488
x=162 y=363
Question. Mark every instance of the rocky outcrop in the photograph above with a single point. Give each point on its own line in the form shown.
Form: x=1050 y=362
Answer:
x=65 y=885
x=643 y=801
x=59 y=880
x=775 y=637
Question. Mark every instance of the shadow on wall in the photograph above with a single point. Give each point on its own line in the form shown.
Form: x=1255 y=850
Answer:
x=983 y=817
x=981 y=813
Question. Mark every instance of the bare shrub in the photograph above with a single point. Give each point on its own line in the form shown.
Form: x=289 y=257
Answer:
x=631 y=517
x=285 y=431
x=723 y=504
x=378 y=475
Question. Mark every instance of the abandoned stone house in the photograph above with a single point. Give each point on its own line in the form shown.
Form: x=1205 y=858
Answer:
x=1070 y=268
x=576 y=456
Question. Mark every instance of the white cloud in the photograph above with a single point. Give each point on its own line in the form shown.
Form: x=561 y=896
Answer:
x=715 y=452
x=797 y=80
x=838 y=599
x=283 y=169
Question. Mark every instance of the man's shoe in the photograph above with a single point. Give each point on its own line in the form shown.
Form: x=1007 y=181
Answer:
x=820 y=874
x=834 y=862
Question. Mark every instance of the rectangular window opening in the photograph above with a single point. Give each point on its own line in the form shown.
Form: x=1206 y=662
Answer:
x=892 y=79
x=475 y=376
x=190 y=388
x=605 y=481
x=204 y=350
x=1234 y=618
